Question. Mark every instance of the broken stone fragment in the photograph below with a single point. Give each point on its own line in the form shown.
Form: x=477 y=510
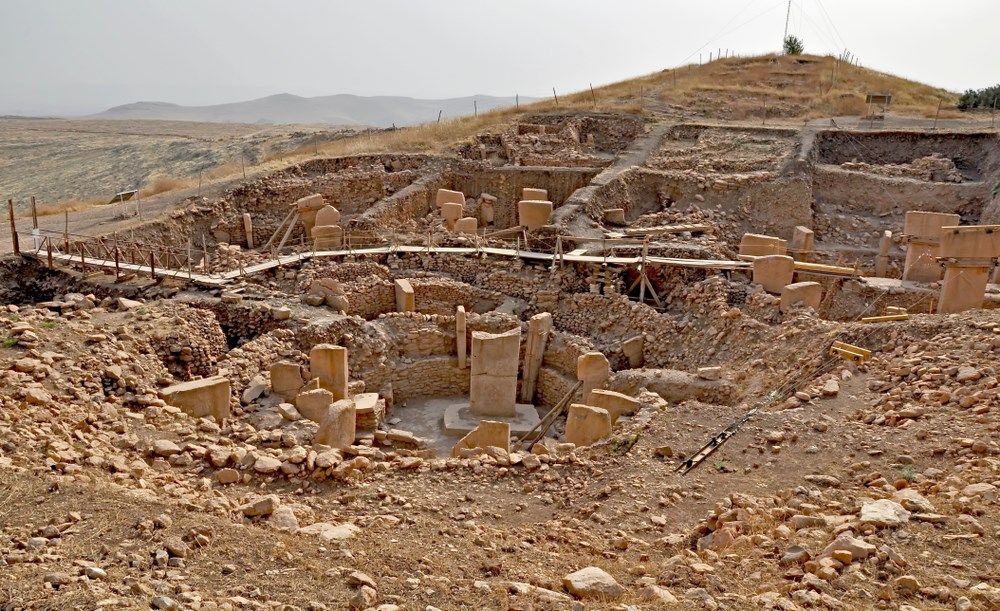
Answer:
x=261 y=506
x=592 y=582
x=884 y=512
x=586 y=425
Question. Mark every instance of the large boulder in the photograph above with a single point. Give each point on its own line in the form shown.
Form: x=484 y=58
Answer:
x=592 y=582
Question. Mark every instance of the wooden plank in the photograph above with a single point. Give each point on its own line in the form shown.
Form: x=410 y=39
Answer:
x=820 y=268
x=848 y=354
x=886 y=318
x=667 y=229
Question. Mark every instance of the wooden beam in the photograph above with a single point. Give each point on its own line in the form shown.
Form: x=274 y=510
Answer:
x=886 y=318
x=668 y=229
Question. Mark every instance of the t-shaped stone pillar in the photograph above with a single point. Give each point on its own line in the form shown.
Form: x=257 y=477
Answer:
x=969 y=253
x=493 y=382
x=758 y=245
x=329 y=363
x=882 y=260
x=533 y=214
x=593 y=369
x=801 y=245
x=445 y=196
x=922 y=232
x=773 y=272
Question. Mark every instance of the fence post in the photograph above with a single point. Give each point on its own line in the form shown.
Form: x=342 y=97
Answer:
x=554 y=95
x=35 y=243
x=152 y=264
x=13 y=227
x=48 y=249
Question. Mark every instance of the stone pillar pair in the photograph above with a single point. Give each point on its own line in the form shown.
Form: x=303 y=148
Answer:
x=452 y=207
x=325 y=399
x=968 y=253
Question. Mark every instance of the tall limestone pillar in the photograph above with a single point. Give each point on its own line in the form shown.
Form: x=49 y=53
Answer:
x=539 y=327
x=493 y=382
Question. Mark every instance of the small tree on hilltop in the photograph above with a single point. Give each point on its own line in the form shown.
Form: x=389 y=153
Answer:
x=793 y=45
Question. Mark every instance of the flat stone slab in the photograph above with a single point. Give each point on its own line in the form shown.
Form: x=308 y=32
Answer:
x=459 y=419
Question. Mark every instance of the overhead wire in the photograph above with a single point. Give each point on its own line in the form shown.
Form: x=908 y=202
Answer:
x=718 y=36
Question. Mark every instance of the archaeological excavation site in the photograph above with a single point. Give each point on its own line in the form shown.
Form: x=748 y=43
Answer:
x=583 y=359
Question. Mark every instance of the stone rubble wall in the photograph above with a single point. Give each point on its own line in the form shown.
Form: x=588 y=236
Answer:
x=399 y=211
x=759 y=202
x=190 y=343
x=552 y=386
x=428 y=377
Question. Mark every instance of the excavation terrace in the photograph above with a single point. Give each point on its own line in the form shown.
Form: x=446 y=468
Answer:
x=668 y=355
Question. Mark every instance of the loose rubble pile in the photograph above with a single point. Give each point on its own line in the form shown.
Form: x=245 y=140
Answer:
x=934 y=168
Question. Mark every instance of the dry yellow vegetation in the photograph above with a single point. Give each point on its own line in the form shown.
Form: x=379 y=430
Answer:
x=786 y=88
x=791 y=87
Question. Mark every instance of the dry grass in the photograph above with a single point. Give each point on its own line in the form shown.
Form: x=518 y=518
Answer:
x=795 y=88
x=161 y=183
x=68 y=205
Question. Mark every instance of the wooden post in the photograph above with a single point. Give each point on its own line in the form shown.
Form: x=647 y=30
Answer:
x=475 y=108
x=554 y=95
x=243 y=164
x=207 y=263
x=34 y=213
x=937 y=114
x=593 y=95
x=83 y=262
x=189 y=263
x=517 y=101
x=642 y=271
x=763 y=120
x=439 y=115
x=66 y=230
x=152 y=264
x=118 y=270
x=48 y=250
x=13 y=227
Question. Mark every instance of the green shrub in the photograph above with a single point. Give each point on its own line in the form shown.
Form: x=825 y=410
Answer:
x=986 y=97
x=793 y=45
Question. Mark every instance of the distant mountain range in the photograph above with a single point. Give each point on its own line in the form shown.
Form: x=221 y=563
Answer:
x=342 y=109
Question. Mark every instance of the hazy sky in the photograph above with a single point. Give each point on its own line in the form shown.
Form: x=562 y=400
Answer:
x=81 y=56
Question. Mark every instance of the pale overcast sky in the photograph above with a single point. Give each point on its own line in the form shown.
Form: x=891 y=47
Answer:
x=81 y=56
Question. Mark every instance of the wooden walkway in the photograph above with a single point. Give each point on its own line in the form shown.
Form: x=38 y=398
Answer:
x=222 y=279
